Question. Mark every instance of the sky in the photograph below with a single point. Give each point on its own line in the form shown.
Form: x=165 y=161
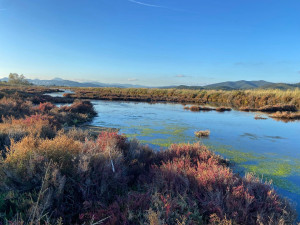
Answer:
x=151 y=42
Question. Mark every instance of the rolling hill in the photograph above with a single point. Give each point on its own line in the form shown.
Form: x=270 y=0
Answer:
x=229 y=85
x=70 y=83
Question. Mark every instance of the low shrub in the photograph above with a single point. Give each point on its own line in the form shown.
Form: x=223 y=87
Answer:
x=46 y=107
x=35 y=125
x=80 y=107
x=15 y=107
x=117 y=181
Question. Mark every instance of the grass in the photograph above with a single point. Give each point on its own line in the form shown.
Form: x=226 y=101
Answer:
x=286 y=116
x=238 y=98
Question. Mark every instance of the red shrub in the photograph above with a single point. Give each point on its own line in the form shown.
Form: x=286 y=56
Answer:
x=111 y=139
x=45 y=107
x=80 y=107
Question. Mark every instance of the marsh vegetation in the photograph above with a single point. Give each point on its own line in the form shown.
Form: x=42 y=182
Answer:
x=238 y=98
x=53 y=174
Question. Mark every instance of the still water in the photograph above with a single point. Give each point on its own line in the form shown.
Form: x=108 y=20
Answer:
x=269 y=148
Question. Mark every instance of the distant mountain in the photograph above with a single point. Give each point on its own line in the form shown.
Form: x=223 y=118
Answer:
x=281 y=86
x=229 y=85
x=70 y=83
x=185 y=87
x=62 y=82
x=242 y=84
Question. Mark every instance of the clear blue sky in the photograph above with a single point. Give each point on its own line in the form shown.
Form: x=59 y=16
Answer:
x=152 y=42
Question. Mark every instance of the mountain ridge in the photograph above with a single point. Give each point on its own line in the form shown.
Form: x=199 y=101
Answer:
x=228 y=85
x=69 y=83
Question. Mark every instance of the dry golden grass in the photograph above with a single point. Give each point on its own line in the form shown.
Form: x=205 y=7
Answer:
x=237 y=98
x=286 y=115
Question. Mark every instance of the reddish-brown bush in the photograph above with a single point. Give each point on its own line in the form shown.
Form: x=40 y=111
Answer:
x=46 y=107
x=117 y=181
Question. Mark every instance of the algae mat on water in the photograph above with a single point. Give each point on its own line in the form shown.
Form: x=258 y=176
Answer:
x=270 y=167
x=163 y=135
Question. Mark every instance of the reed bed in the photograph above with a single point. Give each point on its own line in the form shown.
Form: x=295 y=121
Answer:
x=286 y=115
x=237 y=98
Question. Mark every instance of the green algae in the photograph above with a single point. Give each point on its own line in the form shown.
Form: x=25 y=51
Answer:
x=162 y=135
x=237 y=156
x=270 y=166
x=279 y=169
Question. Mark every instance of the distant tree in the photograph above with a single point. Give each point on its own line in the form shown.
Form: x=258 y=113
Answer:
x=16 y=79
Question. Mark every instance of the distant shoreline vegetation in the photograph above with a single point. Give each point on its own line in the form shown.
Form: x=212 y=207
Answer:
x=15 y=79
x=252 y=99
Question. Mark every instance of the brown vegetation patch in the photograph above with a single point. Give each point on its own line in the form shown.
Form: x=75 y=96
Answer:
x=202 y=133
x=286 y=115
x=195 y=108
x=223 y=109
x=276 y=108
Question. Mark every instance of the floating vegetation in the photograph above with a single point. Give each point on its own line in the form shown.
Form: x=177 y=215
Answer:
x=196 y=108
x=270 y=167
x=163 y=135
